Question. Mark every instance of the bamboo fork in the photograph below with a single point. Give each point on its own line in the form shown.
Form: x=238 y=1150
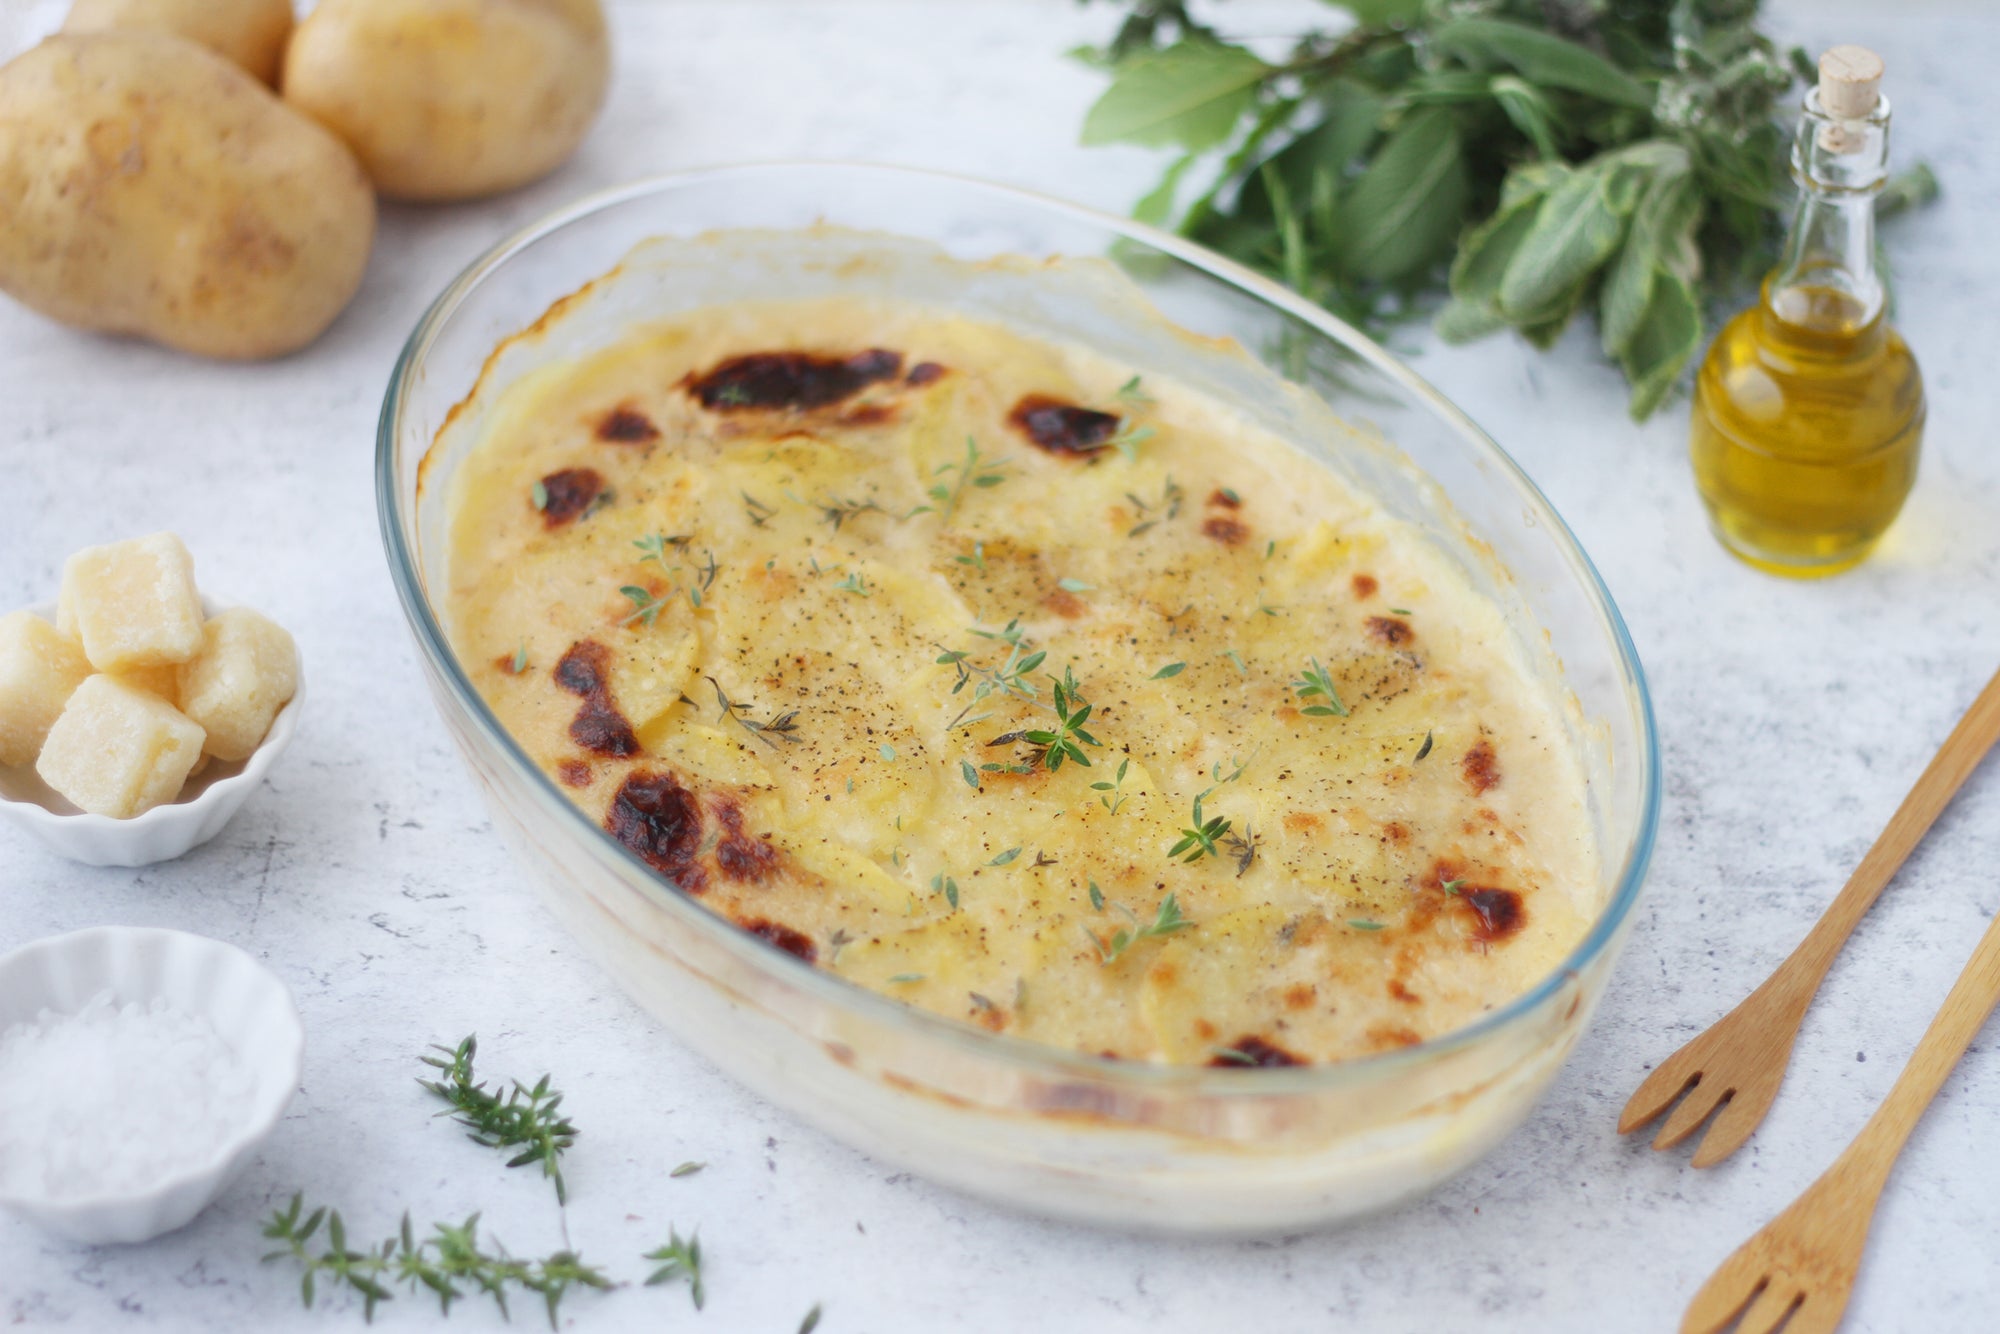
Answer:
x=1804 y=1261
x=1738 y=1063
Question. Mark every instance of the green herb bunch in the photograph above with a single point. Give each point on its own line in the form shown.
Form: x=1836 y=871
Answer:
x=526 y=1118
x=1534 y=157
x=450 y=1263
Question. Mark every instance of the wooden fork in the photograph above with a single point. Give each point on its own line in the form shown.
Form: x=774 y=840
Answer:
x=1804 y=1261
x=1738 y=1063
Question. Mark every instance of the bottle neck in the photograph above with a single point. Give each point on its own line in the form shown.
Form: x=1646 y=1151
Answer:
x=1826 y=282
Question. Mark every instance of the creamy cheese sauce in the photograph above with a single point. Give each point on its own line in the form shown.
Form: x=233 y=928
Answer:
x=784 y=596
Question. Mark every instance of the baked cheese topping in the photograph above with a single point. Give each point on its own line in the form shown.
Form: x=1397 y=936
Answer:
x=994 y=677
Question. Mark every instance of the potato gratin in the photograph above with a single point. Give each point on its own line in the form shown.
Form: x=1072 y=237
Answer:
x=1003 y=681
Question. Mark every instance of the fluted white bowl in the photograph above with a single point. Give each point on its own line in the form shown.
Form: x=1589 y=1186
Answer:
x=168 y=830
x=252 y=1012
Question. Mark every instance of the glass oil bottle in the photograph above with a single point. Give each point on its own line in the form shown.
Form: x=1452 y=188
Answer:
x=1809 y=409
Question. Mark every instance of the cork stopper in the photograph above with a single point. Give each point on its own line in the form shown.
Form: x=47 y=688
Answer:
x=1850 y=82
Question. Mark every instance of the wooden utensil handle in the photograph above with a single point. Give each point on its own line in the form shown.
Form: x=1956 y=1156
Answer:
x=1949 y=768
x=1956 y=1024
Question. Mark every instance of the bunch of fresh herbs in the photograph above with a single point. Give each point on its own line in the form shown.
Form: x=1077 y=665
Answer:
x=1532 y=157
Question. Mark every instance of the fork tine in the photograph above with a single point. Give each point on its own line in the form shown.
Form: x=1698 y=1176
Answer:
x=1673 y=1077
x=1821 y=1312
x=1702 y=1099
x=1728 y=1290
x=1772 y=1306
x=1742 y=1111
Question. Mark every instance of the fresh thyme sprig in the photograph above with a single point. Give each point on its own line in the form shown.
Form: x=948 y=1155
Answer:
x=645 y=606
x=1168 y=506
x=856 y=583
x=1165 y=922
x=526 y=1117
x=1065 y=741
x=1199 y=839
x=784 y=727
x=975 y=470
x=679 y=1259
x=441 y=1263
x=1010 y=677
x=1128 y=440
x=1314 y=683
x=653 y=546
x=837 y=511
x=1116 y=795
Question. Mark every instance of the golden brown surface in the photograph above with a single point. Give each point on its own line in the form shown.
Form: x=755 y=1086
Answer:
x=737 y=602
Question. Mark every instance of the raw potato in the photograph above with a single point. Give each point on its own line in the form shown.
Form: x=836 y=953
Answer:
x=153 y=188
x=248 y=33
x=452 y=99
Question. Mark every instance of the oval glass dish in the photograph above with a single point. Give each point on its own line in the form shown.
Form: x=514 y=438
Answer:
x=1130 y=1144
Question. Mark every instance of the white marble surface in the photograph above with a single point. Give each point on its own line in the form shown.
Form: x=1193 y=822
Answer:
x=366 y=874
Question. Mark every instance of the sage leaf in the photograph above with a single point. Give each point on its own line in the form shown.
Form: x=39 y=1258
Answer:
x=1541 y=57
x=1462 y=321
x=1189 y=94
x=1530 y=112
x=1662 y=237
x=1486 y=251
x=1666 y=337
x=1576 y=230
x=1404 y=211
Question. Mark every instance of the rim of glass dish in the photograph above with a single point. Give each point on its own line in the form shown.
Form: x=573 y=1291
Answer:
x=1037 y=1057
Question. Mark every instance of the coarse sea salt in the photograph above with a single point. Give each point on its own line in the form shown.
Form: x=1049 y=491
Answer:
x=113 y=1100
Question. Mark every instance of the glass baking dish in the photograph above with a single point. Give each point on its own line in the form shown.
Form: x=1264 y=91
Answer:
x=1128 y=1144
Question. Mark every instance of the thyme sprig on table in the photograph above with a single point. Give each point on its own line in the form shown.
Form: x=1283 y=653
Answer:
x=1531 y=159
x=679 y=1259
x=450 y=1263
x=527 y=1118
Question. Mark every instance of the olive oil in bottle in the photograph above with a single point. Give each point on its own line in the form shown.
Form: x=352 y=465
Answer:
x=1808 y=409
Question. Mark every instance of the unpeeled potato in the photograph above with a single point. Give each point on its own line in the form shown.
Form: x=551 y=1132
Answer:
x=249 y=33
x=151 y=187
x=452 y=99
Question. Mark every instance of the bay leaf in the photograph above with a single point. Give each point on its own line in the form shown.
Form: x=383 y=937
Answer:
x=1190 y=94
x=1541 y=57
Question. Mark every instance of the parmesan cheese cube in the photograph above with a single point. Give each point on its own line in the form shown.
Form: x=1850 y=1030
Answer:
x=246 y=671
x=163 y=681
x=118 y=751
x=134 y=603
x=39 y=668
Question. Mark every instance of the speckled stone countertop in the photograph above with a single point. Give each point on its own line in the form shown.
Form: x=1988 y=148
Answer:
x=366 y=873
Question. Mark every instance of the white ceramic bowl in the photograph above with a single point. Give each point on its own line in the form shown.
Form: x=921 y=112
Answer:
x=163 y=833
x=251 y=1009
